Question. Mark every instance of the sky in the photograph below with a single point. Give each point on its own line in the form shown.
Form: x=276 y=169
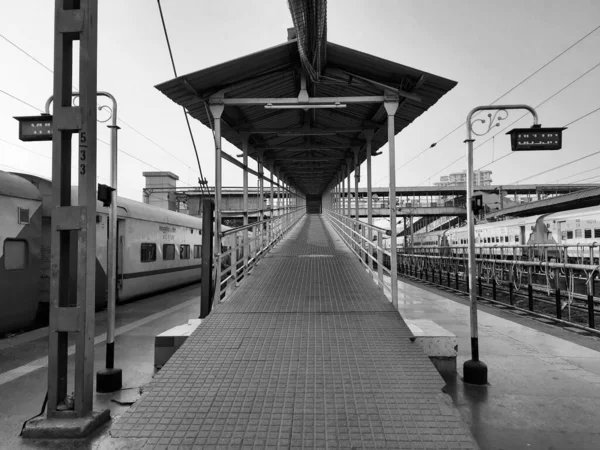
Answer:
x=488 y=47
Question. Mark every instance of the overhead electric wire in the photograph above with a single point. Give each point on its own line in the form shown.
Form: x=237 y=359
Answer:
x=26 y=149
x=582 y=117
x=556 y=167
x=187 y=120
x=20 y=100
x=537 y=106
x=156 y=144
x=502 y=96
x=23 y=51
x=512 y=123
x=578 y=173
x=120 y=120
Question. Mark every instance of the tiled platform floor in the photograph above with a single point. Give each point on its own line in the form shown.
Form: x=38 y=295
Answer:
x=306 y=353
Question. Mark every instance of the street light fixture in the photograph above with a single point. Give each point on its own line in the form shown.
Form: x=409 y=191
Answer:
x=536 y=138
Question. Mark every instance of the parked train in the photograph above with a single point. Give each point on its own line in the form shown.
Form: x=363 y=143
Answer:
x=157 y=249
x=572 y=232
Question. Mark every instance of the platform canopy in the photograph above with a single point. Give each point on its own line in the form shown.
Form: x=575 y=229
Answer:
x=264 y=94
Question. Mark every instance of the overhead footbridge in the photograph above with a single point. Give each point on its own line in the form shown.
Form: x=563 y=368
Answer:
x=306 y=335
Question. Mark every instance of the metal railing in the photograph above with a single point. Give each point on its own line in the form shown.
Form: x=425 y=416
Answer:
x=561 y=276
x=242 y=247
x=367 y=242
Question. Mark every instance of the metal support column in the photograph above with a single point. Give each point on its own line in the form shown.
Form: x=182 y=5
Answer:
x=73 y=229
x=216 y=111
x=390 y=108
x=245 y=135
x=369 y=136
x=356 y=181
x=348 y=191
x=272 y=202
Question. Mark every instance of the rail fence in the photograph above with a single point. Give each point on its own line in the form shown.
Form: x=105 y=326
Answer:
x=242 y=247
x=555 y=281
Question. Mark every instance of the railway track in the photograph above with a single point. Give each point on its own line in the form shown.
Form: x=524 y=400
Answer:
x=536 y=303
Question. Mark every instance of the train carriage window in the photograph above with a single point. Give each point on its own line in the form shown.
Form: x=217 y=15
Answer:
x=578 y=233
x=516 y=238
x=197 y=251
x=569 y=235
x=23 y=215
x=184 y=251
x=597 y=232
x=587 y=234
x=168 y=252
x=148 y=253
x=15 y=254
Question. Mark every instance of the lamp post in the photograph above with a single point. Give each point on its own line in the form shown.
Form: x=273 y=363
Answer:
x=110 y=379
x=474 y=370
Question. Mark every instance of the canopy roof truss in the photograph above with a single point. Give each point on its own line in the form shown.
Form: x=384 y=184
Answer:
x=307 y=132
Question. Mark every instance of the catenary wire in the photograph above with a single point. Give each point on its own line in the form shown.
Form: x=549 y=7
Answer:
x=503 y=95
x=20 y=100
x=512 y=123
x=187 y=120
x=120 y=119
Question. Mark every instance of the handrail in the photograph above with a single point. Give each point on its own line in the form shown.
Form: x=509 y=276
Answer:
x=352 y=232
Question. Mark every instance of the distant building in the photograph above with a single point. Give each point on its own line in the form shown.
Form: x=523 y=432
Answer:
x=480 y=178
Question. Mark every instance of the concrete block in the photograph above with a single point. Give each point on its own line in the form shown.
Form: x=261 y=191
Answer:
x=438 y=343
x=168 y=342
x=65 y=428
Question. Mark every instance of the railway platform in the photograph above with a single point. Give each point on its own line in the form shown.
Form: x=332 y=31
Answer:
x=306 y=353
x=322 y=364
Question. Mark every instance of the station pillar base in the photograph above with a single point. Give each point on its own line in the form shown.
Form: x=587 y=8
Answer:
x=475 y=372
x=109 y=380
x=65 y=428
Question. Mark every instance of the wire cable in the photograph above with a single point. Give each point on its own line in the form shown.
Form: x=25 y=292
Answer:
x=120 y=120
x=504 y=95
x=22 y=101
x=583 y=117
x=187 y=120
x=578 y=173
x=556 y=167
x=515 y=121
x=23 y=51
x=26 y=149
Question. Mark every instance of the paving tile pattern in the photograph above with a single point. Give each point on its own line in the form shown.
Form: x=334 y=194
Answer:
x=306 y=353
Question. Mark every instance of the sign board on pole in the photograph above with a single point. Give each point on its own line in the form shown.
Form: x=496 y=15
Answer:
x=526 y=139
x=35 y=128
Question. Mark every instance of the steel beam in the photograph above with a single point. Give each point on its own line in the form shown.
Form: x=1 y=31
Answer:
x=295 y=101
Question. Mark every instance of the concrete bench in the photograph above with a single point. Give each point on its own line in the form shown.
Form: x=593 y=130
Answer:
x=167 y=343
x=438 y=343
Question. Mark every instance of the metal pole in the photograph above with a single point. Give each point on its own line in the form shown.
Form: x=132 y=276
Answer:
x=475 y=371
x=391 y=108
x=369 y=136
x=244 y=136
x=217 y=111
x=349 y=191
x=356 y=181
x=111 y=379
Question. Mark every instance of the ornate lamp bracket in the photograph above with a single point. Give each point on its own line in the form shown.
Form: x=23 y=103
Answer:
x=492 y=121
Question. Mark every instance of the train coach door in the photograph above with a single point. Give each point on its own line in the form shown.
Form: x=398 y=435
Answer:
x=120 y=248
x=559 y=229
